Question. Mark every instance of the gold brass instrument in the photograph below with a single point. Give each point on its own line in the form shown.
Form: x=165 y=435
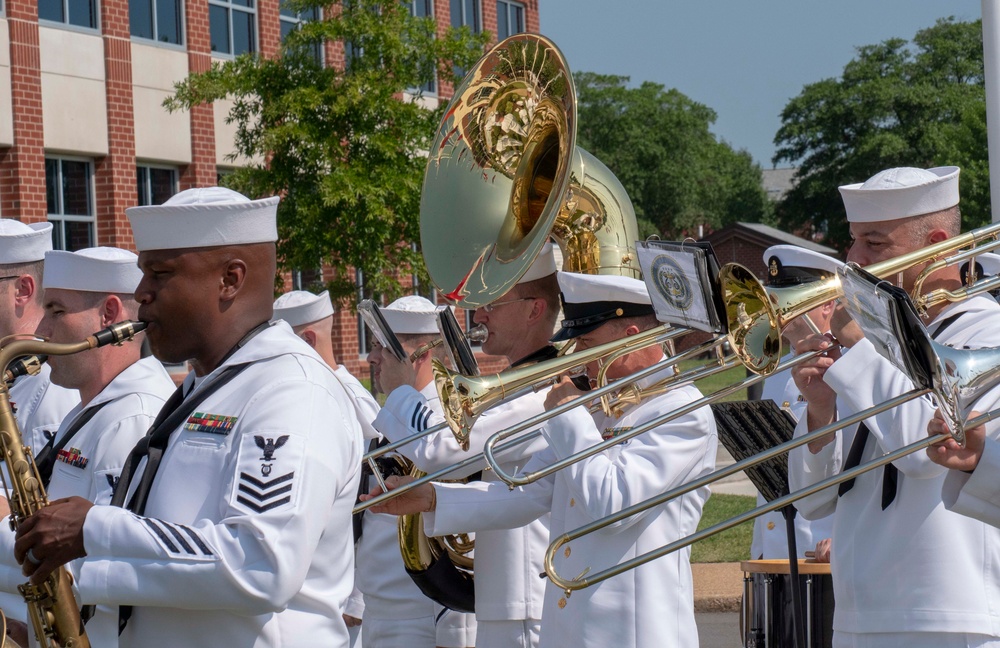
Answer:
x=52 y=608
x=504 y=173
x=957 y=377
x=756 y=314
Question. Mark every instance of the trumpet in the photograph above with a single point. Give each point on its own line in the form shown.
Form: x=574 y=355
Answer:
x=756 y=314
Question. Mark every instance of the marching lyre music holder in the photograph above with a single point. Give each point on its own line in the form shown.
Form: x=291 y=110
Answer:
x=373 y=317
x=682 y=278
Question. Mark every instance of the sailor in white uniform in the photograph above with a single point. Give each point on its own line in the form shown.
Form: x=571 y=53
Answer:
x=311 y=318
x=237 y=526
x=653 y=604
x=791 y=265
x=906 y=571
x=391 y=598
x=509 y=593
x=39 y=405
x=121 y=392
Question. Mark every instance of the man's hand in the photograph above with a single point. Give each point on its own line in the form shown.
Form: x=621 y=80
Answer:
x=394 y=373
x=53 y=535
x=563 y=392
x=845 y=329
x=949 y=453
x=822 y=554
x=820 y=397
x=352 y=622
x=418 y=500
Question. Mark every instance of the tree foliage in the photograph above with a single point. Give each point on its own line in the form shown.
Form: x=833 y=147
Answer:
x=339 y=145
x=916 y=104
x=658 y=143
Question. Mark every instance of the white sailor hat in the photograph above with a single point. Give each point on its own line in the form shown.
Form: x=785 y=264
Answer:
x=901 y=193
x=300 y=307
x=206 y=217
x=23 y=242
x=543 y=265
x=411 y=315
x=789 y=265
x=987 y=265
x=97 y=269
x=591 y=300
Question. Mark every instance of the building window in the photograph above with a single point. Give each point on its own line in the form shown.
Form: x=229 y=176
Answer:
x=155 y=184
x=233 y=26
x=156 y=20
x=70 y=197
x=79 y=13
x=466 y=13
x=424 y=9
x=510 y=19
x=291 y=20
x=311 y=280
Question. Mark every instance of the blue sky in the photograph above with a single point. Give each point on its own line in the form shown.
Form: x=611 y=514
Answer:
x=743 y=59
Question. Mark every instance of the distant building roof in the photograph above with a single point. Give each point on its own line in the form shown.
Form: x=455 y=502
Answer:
x=767 y=234
x=777 y=182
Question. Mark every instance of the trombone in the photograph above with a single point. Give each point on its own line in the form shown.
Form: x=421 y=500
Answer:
x=956 y=376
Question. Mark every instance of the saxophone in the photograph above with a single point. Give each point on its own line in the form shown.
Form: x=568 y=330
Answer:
x=52 y=608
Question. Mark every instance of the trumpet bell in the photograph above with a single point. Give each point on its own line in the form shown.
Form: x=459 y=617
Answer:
x=504 y=173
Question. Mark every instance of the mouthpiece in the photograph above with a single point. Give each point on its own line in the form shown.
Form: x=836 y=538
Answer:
x=24 y=366
x=118 y=333
x=477 y=334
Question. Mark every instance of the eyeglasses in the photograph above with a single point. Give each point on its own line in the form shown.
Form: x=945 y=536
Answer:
x=489 y=307
x=10 y=277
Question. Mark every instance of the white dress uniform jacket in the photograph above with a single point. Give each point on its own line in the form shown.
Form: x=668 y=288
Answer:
x=40 y=408
x=649 y=606
x=454 y=629
x=508 y=561
x=246 y=537
x=914 y=567
x=770 y=537
x=977 y=495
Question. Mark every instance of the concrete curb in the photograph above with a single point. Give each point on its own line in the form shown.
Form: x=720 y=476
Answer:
x=718 y=587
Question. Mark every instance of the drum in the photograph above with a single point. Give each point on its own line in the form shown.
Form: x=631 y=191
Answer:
x=766 y=613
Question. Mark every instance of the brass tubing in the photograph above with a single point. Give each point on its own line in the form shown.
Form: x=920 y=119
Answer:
x=514 y=480
x=570 y=585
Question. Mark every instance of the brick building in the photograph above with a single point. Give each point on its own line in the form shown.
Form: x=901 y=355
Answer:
x=83 y=134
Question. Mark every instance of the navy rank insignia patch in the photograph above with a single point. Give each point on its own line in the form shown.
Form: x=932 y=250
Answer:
x=270 y=445
x=73 y=458
x=263 y=495
x=611 y=433
x=211 y=423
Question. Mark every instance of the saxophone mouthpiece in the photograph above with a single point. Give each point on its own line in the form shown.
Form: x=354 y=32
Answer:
x=118 y=333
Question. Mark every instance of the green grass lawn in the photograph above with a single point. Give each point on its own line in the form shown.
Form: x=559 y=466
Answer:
x=719 y=380
x=732 y=545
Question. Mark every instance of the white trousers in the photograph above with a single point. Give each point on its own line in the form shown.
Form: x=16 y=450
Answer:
x=398 y=633
x=520 y=633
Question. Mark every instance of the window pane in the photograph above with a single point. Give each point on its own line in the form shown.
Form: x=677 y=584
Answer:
x=78 y=235
x=472 y=15
x=162 y=185
x=140 y=18
x=243 y=32
x=218 y=19
x=83 y=13
x=168 y=21
x=287 y=28
x=51 y=186
x=503 y=29
x=51 y=10
x=76 y=188
x=456 y=13
x=242 y=3
x=141 y=181
x=517 y=19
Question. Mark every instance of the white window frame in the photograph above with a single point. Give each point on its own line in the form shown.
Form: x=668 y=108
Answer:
x=148 y=188
x=463 y=22
x=230 y=7
x=298 y=20
x=424 y=90
x=508 y=5
x=154 y=41
x=57 y=219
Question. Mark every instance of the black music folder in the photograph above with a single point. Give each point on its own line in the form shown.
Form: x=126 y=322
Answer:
x=747 y=428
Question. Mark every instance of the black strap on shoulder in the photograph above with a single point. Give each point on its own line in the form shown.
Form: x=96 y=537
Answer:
x=45 y=460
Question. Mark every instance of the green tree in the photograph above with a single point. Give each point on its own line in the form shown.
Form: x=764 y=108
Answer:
x=916 y=104
x=339 y=145
x=658 y=143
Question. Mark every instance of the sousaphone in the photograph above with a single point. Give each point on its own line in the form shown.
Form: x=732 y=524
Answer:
x=503 y=175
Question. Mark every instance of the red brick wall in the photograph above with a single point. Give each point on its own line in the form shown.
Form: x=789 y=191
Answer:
x=22 y=166
x=201 y=172
x=114 y=176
